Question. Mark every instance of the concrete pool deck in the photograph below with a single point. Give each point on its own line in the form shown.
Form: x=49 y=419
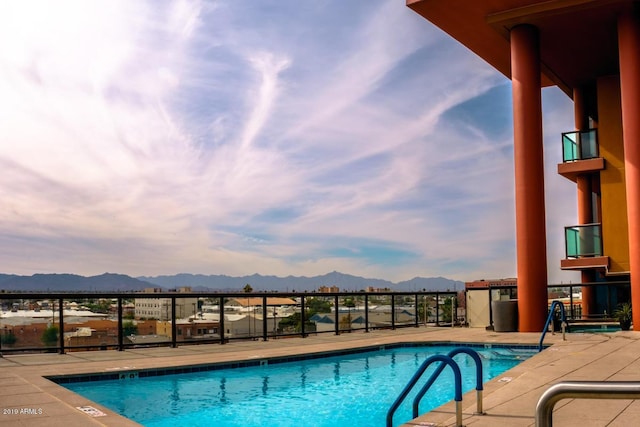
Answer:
x=29 y=399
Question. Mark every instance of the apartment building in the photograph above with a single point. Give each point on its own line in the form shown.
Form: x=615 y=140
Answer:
x=149 y=307
x=590 y=49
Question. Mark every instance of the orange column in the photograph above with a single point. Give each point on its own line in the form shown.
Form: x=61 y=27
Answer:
x=529 y=179
x=629 y=52
x=585 y=210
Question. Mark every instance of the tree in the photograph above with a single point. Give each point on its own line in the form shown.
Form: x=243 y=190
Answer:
x=294 y=323
x=247 y=288
x=317 y=305
x=9 y=339
x=129 y=328
x=345 y=322
x=50 y=336
x=447 y=308
x=102 y=306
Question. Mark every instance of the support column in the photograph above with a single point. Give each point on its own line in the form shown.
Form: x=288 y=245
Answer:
x=585 y=207
x=629 y=53
x=529 y=179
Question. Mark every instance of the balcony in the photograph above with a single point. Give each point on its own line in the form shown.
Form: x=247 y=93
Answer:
x=583 y=248
x=579 y=145
x=580 y=154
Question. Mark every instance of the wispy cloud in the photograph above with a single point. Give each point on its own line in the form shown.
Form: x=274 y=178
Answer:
x=279 y=138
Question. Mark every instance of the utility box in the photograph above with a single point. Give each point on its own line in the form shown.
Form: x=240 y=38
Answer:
x=505 y=315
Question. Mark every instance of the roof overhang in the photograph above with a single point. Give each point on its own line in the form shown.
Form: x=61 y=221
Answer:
x=578 y=38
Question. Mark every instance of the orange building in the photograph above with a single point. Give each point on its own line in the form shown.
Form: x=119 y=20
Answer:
x=590 y=49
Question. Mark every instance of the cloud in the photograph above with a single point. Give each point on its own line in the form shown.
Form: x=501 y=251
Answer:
x=282 y=138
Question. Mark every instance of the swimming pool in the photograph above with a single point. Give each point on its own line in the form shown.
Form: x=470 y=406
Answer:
x=593 y=328
x=334 y=391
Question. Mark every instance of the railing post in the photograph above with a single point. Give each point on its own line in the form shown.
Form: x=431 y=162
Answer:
x=302 y=317
x=337 y=311
x=264 y=319
x=571 y=302
x=221 y=320
x=393 y=312
x=174 y=326
x=490 y=311
x=120 y=331
x=366 y=312
x=61 y=323
x=417 y=312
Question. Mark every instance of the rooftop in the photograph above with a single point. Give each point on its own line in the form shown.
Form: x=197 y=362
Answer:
x=509 y=400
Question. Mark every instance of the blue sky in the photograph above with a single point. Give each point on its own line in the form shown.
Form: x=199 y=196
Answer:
x=274 y=137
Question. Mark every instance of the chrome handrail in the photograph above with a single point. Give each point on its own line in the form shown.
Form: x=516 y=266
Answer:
x=412 y=382
x=476 y=357
x=582 y=390
x=563 y=318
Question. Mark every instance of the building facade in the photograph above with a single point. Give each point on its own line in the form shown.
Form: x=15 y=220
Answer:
x=148 y=307
x=590 y=49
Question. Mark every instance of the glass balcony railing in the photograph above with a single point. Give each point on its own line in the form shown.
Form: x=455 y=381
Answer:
x=579 y=145
x=583 y=240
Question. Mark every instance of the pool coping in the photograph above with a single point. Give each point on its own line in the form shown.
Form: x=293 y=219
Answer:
x=26 y=384
x=187 y=369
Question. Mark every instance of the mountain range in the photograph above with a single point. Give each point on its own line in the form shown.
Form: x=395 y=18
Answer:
x=216 y=283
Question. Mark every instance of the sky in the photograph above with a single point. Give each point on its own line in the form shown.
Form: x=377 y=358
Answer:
x=274 y=137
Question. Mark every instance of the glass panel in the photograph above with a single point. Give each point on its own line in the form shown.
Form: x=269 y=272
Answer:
x=569 y=147
x=579 y=145
x=583 y=241
x=588 y=144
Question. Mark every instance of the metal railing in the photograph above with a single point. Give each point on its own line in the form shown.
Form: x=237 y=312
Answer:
x=446 y=360
x=182 y=314
x=550 y=318
x=613 y=293
x=582 y=390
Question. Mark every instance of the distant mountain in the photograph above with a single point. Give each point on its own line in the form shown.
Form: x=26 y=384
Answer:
x=345 y=282
x=71 y=282
x=220 y=283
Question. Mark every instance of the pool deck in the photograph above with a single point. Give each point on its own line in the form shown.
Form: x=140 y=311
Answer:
x=28 y=399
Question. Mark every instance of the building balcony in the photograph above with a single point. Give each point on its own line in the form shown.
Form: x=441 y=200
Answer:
x=580 y=154
x=583 y=248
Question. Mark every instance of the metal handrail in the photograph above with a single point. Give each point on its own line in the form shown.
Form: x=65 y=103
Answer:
x=412 y=382
x=563 y=319
x=476 y=357
x=582 y=390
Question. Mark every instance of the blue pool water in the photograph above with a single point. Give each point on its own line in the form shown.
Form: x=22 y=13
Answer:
x=348 y=390
x=578 y=328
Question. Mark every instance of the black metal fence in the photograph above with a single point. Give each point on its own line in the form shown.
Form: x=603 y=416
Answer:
x=60 y=322
x=608 y=296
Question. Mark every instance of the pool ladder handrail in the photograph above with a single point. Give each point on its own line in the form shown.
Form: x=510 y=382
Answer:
x=563 y=319
x=446 y=360
x=582 y=390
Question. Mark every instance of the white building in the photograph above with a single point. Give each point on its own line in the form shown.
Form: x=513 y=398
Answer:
x=160 y=308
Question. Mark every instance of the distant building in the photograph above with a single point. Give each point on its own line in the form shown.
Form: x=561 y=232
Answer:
x=160 y=308
x=328 y=289
x=491 y=283
x=374 y=289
